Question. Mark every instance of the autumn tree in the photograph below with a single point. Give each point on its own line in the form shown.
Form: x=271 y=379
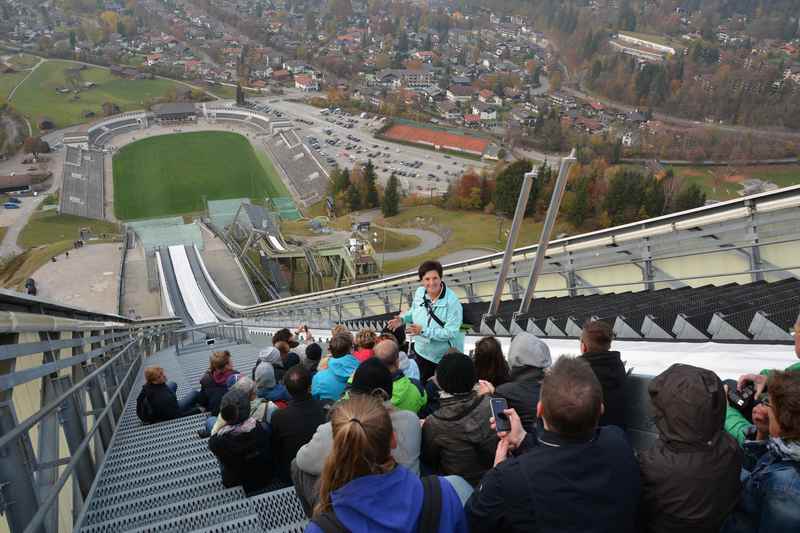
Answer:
x=391 y=198
x=35 y=146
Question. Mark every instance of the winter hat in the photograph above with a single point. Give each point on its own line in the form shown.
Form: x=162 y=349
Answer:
x=265 y=376
x=456 y=373
x=314 y=352
x=528 y=350
x=270 y=355
x=371 y=375
x=235 y=407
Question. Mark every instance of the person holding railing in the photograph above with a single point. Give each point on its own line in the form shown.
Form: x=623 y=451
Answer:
x=434 y=320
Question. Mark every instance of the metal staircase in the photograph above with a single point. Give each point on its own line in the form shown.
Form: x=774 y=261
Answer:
x=163 y=478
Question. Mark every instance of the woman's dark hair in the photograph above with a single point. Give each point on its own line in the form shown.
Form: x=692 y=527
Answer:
x=489 y=361
x=427 y=266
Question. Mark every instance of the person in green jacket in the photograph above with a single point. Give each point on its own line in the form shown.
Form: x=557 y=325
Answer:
x=407 y=394
x=735 y=422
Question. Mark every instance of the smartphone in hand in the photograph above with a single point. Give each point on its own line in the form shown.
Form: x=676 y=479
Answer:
x=499 y=405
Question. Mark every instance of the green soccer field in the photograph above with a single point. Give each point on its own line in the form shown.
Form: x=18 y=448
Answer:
x=170 y=174
x=38 y=97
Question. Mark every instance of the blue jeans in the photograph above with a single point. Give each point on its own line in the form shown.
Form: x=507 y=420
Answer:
x=188 y=401
x=210 y=421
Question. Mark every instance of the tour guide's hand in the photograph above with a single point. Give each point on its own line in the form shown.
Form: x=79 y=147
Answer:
x=517 y=433
x=414 y=329
x=485 y=387
x=395 y=323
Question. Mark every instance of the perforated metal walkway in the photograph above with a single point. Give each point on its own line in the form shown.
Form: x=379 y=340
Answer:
x=163 y=478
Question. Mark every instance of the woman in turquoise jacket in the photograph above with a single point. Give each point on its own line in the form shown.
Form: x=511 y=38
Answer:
x=434 y=319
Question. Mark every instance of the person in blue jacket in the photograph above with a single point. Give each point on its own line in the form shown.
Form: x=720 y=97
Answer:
x=434 y=319
x=329 y=383
x=363 y=489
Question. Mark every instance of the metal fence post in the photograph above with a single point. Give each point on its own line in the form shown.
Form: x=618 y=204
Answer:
x=48 y=440
x=71 y=418
x=98 y=404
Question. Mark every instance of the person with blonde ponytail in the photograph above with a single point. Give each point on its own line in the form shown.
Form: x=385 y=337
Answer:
x=363 y=489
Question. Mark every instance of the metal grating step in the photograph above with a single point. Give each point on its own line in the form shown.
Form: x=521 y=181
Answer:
x=136 y=467
x=210 y=479
x=143 y=431
x=163 y=448
x=207 y=520
x=154 y=443
x=162 y=505
x=245 y=524
x=143 y=458
x=279 y=508
x=124 y=481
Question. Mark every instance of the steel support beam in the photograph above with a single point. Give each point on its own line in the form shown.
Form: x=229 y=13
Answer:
x=516 y=224
x=72 y=422
x=547 y=228
x=48 y=444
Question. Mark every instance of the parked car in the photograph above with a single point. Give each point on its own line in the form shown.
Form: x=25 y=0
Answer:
x=10 y=205
x=14 y=200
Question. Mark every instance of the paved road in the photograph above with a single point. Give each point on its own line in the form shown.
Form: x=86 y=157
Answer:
x=429 y=241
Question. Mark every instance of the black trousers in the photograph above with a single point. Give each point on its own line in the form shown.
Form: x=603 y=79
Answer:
x=427 y=369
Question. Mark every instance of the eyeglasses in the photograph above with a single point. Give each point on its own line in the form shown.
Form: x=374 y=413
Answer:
x=765 y=402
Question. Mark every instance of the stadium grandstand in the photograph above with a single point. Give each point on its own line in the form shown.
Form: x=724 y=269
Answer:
x=85 y=447
x=82 y=183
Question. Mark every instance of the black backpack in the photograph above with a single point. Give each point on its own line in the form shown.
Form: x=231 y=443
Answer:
x=144 y=409
x=428 y=518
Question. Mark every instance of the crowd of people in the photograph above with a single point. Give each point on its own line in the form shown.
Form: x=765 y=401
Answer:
x=398 y=431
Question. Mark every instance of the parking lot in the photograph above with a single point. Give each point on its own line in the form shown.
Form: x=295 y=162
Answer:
x=337 y=138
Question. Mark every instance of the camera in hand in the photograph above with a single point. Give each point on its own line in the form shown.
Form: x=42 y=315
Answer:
x=742 y=400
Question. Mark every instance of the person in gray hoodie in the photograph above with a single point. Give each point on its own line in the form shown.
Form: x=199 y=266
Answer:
x=528 y=358
x=371 y=377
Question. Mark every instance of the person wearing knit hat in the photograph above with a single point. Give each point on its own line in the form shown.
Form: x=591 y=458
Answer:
x=372 y=377
x=242 y=445
x=528 y=358
x=456 y=374
x=258 y=406
x=313 y=357
x=267 y=387
x=457 y=438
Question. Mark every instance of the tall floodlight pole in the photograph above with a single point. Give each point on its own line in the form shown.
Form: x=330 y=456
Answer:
x=519 y=214
x=544 y=238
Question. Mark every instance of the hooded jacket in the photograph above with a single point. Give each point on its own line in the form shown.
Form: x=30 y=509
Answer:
x=244 y=457
x=329 y=384
x=771 y=492
x=457 y=439
x=434 y=340
x=522 y=393
x=690 y=477
x=213 y=386
x=361 y=505
x=610 y=371
x=407 y=393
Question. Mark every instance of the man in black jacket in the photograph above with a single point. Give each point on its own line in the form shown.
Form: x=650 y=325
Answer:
x=609 y=369
x=528 y=358
x=157 y=402
x=570 y=475
x=294 y=426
